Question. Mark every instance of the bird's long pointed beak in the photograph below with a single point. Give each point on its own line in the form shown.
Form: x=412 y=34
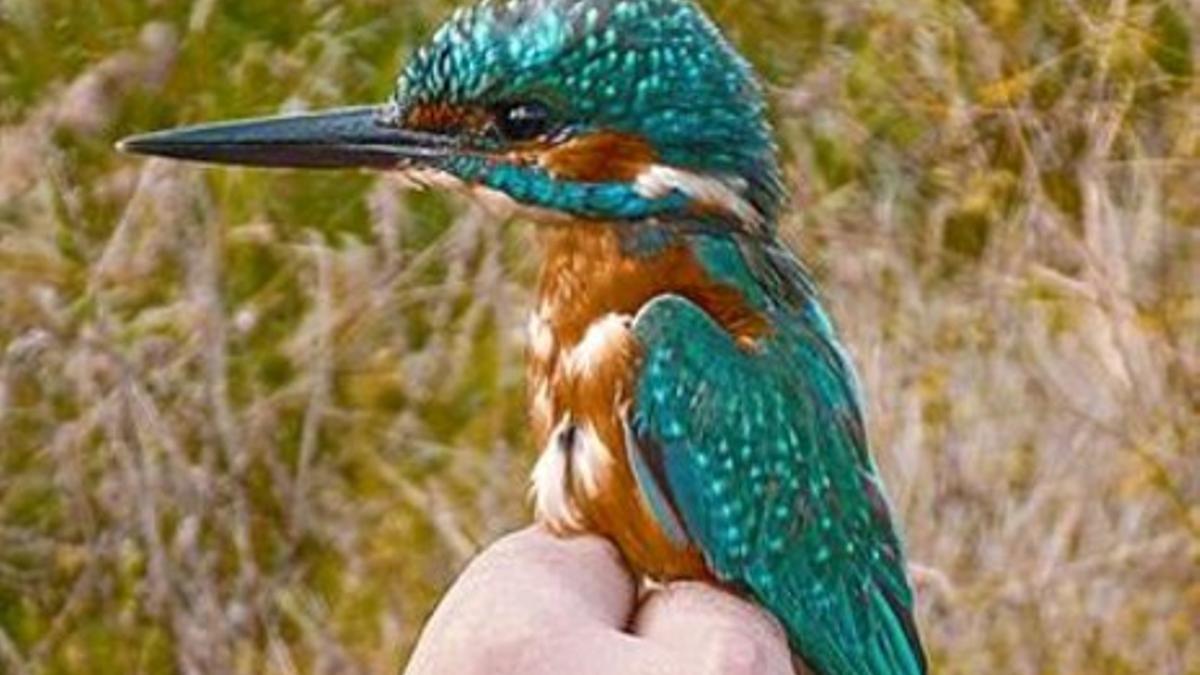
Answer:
x=335 y=139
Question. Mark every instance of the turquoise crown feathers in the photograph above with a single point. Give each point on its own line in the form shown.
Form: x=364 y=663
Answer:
x=656 y=70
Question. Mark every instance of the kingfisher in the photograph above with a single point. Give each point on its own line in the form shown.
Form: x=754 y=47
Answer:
x=692 y=398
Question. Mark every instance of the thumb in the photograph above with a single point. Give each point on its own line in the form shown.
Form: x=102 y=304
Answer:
x=734 y=636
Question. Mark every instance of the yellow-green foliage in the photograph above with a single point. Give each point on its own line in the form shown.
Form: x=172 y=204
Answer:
x=254 y=422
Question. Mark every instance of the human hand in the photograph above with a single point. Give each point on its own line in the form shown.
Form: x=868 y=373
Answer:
x=534 y=603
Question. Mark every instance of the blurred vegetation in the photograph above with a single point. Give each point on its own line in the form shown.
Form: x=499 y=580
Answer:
x=254 y=422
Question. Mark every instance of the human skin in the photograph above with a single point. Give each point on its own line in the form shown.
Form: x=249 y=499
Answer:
x=535 y=604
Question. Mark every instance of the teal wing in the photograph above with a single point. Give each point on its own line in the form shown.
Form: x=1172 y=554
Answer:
x=759 y=458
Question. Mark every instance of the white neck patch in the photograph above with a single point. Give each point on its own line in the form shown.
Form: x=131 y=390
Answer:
x=658 y=181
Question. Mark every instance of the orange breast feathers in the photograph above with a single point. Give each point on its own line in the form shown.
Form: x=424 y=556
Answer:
x=583 y=481
x=583 y=364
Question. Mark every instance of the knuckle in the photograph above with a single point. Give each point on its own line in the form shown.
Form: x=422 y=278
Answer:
x=734 y=653
x=512 y=654
x=515 y=543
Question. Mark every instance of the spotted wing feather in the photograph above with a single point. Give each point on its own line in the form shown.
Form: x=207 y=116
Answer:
x=762 y=456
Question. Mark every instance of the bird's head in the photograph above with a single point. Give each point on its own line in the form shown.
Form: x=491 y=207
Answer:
x=606 y=110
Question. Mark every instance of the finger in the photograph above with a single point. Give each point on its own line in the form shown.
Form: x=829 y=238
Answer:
x=732 y=634
x=577 y=576
x=519 y=591
x=594 y=651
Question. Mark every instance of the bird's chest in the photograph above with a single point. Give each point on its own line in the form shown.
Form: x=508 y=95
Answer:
x=583 y=362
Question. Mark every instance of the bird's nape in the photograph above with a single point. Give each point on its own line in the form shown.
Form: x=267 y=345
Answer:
x=358 y=137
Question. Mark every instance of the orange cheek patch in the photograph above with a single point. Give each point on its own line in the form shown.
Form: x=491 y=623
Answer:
x=600 y=157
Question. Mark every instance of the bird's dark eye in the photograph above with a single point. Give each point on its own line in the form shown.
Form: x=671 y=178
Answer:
x=524 y=121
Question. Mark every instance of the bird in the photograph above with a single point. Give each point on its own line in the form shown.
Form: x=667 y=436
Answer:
x=691 y=396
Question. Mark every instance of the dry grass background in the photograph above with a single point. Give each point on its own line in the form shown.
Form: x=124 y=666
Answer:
x=254 y=422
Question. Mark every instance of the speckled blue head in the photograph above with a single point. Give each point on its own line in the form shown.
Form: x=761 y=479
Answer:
x=600 y=109
x=611 y=110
